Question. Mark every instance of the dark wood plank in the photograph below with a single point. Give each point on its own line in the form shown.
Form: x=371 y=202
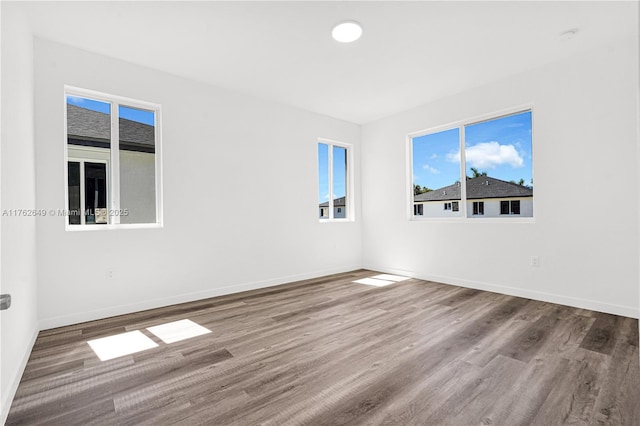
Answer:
x=601 y=337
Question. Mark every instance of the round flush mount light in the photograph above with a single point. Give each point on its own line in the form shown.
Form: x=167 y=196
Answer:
x=347 y=31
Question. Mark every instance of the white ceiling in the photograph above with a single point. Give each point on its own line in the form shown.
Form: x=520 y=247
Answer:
x=411 y=53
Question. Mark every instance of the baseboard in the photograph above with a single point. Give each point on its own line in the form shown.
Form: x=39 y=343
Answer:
x=7 y=398
x=80 y=317
x=576 y=302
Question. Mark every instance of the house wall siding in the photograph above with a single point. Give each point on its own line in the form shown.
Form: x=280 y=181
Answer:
x=223 y=154
x=584 y=143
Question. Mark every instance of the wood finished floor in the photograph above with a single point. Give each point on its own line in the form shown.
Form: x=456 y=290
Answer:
x=328 y=351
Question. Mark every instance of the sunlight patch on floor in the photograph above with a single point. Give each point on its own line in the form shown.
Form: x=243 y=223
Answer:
x=178 y=330
x=381 y=280
x=389 y=277
x=111 y=347
x=374 y=282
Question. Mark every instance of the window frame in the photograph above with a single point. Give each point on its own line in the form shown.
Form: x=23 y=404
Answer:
x=461 y=124
x=113 y=164
x=349 y=202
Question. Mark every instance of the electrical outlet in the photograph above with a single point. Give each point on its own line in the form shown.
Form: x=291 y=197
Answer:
x=109 y=274
x=535 y=261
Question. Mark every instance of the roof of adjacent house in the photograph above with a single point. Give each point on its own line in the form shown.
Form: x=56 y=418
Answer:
x=477 y=188
x=93 y=126
x=338 y=202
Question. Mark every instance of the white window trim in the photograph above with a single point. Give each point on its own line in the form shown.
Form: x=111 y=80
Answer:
x=349 y=202
x=460 y=124
x=113 y=194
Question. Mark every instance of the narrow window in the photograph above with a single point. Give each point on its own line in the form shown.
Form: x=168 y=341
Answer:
x=334 y=181
x=418 y=209
x=504 y=207
x=515 y=207
x=478 y=208
x=455 y=206
x=74 y=190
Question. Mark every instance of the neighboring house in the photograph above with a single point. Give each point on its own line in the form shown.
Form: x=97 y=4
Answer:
x=89 y=155
x=339 y=209
x=486 y=197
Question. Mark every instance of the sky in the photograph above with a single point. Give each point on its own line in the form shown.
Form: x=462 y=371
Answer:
x=339 y=172
x=500 y=147
x=133 y=114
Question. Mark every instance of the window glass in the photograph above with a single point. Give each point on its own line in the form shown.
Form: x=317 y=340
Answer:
x=515 y=207
x=498 y=157
x=95 y=193
x=436 y=172
x=504 y=207
x=340 y=181
x=323 y=180
x=73 y=174
x=88 y=151
x=333 y=181
x=137 y=155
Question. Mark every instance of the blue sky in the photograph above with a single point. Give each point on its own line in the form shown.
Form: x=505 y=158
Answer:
x=339 y=172
x=134 y=114
x=500 y=147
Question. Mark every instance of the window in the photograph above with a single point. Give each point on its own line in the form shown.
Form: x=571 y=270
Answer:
x=493 y=157
x=113 y=161
x=510 y=207
x=334 y=180
x=478 y=208
x=418 y=209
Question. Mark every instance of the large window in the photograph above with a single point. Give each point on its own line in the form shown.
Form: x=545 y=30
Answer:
x=113 y=161
x=334 y=181
x=493 y=158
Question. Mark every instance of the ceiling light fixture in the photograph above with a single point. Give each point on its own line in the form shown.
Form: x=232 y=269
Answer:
x=347 y=31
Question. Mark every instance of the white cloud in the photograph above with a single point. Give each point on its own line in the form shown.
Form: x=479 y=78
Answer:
x=434 y=156
x=488 y=155
x=430 y=169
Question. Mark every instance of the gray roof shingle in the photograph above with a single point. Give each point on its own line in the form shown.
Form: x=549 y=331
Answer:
x=93 y=126
x=477 y=188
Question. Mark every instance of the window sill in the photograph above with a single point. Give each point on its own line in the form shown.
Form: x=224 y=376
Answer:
x=335 y=220
x=113 y=227
x=505 y=219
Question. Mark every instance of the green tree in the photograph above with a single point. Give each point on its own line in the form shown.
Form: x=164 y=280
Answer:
x=417 y=189
x=476 y=173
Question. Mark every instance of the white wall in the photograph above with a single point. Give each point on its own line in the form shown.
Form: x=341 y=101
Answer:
x=225 y=157
x=18 y=238
x=586 y=179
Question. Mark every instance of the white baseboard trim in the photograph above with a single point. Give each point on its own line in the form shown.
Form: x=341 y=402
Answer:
x=576 y=302
x=7 y=398
x=80 y=317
